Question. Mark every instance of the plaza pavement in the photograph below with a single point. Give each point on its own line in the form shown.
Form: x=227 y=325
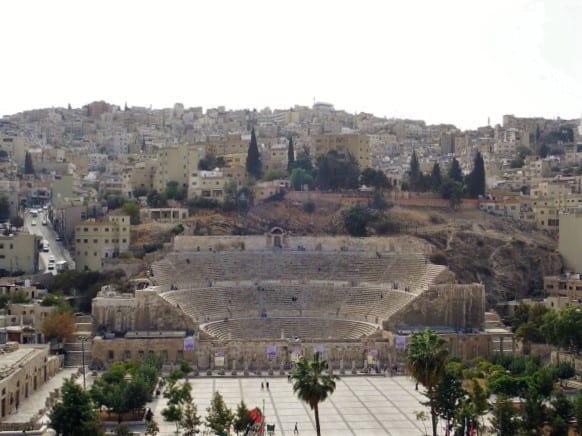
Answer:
x=360 y=405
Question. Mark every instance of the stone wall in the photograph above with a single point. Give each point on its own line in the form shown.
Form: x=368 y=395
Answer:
x=323 y=243
x=154 y=313
x=445 y=305
x=239 y=355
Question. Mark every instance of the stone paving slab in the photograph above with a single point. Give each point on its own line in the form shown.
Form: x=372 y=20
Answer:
x=360 y=405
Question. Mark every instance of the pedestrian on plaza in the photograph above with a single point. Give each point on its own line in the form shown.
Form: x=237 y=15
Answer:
x=267 y=385
x=288 y=378
x=295 y=430
x=262 y=386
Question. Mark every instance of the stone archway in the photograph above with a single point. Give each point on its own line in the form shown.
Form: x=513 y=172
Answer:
x=277 y=238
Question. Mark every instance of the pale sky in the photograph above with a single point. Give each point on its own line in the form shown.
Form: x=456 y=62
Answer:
x=447 y=61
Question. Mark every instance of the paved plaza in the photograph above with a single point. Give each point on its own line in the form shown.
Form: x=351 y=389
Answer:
x=360 y=405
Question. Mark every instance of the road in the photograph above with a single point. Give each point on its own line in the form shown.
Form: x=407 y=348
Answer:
x=56 y=249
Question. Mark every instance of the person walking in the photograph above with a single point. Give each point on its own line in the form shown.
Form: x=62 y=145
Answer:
x=262 y=386
x=296 y=430
x=267 y=385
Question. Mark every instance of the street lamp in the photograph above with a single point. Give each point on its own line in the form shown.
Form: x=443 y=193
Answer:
x=83 y=339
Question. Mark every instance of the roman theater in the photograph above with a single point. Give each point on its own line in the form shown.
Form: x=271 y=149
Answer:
x=246 y=304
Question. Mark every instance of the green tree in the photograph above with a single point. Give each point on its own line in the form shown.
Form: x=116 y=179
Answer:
x=219 y=416
x=563 y=328
x=178 y=397
x=290 y=155
x=533 y=412
x=174 y=191
x=190 y=419
x=426 y=359
x=155 y=199
x=4 y=209
x=375 y=178
x=312 y=385
x=452 y=191
x=299 y=178
x=479 y=404
x=337 y=171
x=28 y=167
x=16 y=221
x=356 y=221
x=577 y=411
x=74 y=414
x=303 y=161
x=476 y=179
x=254 y=166
x=415 y=173
x=132 y=209
x=448 y=395
x=436 y=179
x=243 y=419
x=455 y=173
x=503 y=419
x=274 y=174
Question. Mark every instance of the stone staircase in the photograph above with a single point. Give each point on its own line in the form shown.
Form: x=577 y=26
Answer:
x=81 y=345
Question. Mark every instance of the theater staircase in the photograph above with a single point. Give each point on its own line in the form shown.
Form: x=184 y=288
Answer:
x=81 y=343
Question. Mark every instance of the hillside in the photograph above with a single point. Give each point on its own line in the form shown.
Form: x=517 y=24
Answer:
x=508 y=257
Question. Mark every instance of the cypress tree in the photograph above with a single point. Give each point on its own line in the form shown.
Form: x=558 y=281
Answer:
x=290 y=155
x=415 y=174
x=476 y=180
x=28 y=168
x=436 y=178
x=254 y=167
x=455 y=172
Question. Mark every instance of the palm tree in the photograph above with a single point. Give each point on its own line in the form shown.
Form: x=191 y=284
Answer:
x=426 y=359
x=312 y=385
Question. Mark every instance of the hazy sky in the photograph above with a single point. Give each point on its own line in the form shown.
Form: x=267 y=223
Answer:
x=442 y=61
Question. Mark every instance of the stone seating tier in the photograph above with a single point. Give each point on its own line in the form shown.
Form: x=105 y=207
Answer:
x=288 y=328
x=183 y=270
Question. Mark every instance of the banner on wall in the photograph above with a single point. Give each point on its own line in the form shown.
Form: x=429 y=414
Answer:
x=400 y=342
x=189 y=343
x=372 y=356
x=271 y=352
x=219 y=358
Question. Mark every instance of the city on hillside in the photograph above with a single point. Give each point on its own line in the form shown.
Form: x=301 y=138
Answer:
x=154 y=262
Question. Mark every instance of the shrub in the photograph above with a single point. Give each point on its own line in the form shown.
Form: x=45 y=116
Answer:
x=438 y=257
x=309 y=207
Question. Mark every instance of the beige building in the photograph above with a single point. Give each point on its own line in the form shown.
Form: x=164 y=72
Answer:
x=99 y=240
x=274 y=157
x=565 y=285
x=354 y=143
x=175 y=164
x=141 y=175
x=570 y=240
x=207 y=184
x=19 y=252
x=23 y=370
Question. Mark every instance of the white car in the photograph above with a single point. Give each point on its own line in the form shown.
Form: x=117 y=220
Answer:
x=33 y=223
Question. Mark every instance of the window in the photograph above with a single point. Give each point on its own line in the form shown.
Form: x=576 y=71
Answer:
x=95 y=229
x=107 y=241
x=124 y=240
x=106 y=229
x=86 y=229
x=78 y=241
x=94 y=241
x=1 y=246
x=11 y=246
x=110 y=354
x=127 y=355
x=86 y=241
